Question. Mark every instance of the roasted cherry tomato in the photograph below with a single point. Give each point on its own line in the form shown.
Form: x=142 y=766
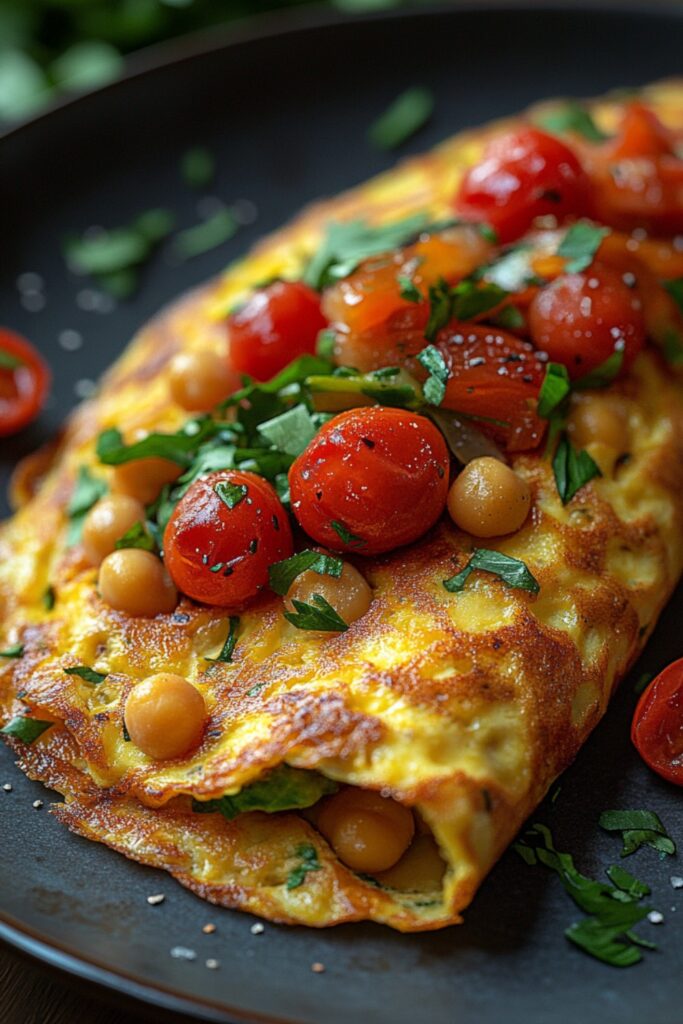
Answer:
x=495 y=376
x=581 y=319
x=274 y=326
x=523 y=175
x=657 y=729
x=24 y=382
x=223 y=534
x=371 y=480
x=637 y=178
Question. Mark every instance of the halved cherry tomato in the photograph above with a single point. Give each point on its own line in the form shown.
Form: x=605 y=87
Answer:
x=523 y=175
x=371 y=480
x=581 y=319
x=24 y=382
x=637 y=178
x=657 y=729
x=276 y=325
x=218 y=554
x=496 y=376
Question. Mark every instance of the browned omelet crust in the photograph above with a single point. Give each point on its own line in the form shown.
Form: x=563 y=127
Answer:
x=465 y=706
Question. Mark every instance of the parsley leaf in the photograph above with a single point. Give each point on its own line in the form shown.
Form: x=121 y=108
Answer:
x=580 y=244
x=282 y=574
x=510 y=318
x=348 y=243
x=88 y=675
x=136 y=536
x=231 y=494
x=408 y=289
x=319 y=615
x=206 y=235
x=434 y=387
x=571 y=117
x=49 y=598
x=228 y=648
x=87 y=491
x=15 y=651
x=325 y=342
x=178 y=447
x=290 y=432
x=25 y=729
x=554 y=390
x=638 y=828
x=8 y=361
x=603 y=374
x=406 y=115
x=439 y=308
x=345 y=535
x=572 y=469
x=283 y=788
x=309 y=862
x=198 y=166
x=511 y=571
x=472 y=298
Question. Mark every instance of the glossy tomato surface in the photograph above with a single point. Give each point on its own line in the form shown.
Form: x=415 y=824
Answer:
x=24 y=382
x=273 y=327
x=523 y=175
x=582 y=319
x=223 y=534
x=371 y=480
x=657 y=730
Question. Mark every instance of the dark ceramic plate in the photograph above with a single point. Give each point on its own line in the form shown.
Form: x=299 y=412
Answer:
x=286 y=113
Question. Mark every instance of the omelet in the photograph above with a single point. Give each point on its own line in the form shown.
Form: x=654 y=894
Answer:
x=462 y=706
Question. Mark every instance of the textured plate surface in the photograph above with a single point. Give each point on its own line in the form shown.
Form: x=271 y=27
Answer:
x=286 y=116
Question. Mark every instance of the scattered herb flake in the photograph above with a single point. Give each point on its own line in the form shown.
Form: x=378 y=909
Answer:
x=511 y=571
x=49 y=598
x=87 y=491
x=405 y=116
x=602 y=375
x=15 y=651
x=136 y=536
x=290 y=432
x=8 y=361
x=571 y=117
x=198 y=166
x=572 y=469
x=345 y=535
x=325 y=343
x=228 y=648
x=207 y=235
x=434 y=387
x=309 y=862
x=283 y=788
x=408 y=289
x=282 y=574
x=580 y=244
x=231 y=494
x=554 y=390
x=25 y=729
x=319 y=615
x=88 y=675
x=638 y=828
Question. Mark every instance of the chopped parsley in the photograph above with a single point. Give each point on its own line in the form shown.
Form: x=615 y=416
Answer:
x=603 y=374
x=555 y=388
x=49 y=598
x=290 y=432
x=572 y=469
x=408 y=290
x=638 y=828
x=465 y=301
x=434 y=388
x=511 y=571
x=283 y=788
x=198 y=166
x=309 y=862
x=580 y=244
x=282 y=574
x=87 y=491
x=15 y=651
x=345 y=534
x=319 y=616
x=25 y=729
x=88 y=675
x=228 y=648
x=136 y=536
x=405 y=116
x=231 y=494
x=570 y=117
x=510 y=318
x=324 y=346
x=206 y=235
x=178 y=447
x=8 y=361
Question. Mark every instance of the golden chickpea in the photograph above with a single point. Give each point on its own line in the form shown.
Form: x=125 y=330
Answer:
x=136 y=581
x=349 y=594
x=367 y=831
x=107 y=521
x=598 y=419
x=165 y=716
x=488 y=498
x=200 y=380
x=144 y=478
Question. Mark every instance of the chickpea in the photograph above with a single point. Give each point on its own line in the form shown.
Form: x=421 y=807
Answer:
x=144 y=478
x=165 y=716
x=107 y=521
x=598 y=419
x=367 y=831
x=136 y=581
x=349 y=594
x=200 y=380
x=488 y=498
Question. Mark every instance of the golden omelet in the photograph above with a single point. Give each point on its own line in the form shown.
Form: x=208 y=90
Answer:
x=463 y=707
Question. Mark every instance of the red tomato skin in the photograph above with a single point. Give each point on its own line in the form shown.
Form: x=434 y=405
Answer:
x=657 y=730
x=523 y=175
x=276 y=325
x=581 y=319
x=204 y=532
x=22 y=391
x=382 y=473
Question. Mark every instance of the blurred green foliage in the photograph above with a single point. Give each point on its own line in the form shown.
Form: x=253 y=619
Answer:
x=51 y=47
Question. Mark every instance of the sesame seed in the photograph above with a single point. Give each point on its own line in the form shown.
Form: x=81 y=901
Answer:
x=257 y=929
x=156 y=899
x=183 y=953
x=37 y=804
x=70 y=340
x=209 y=929
x=654 y=917
x=676 y=882
x=318 y=968
x=7 y=787
x=213 y=964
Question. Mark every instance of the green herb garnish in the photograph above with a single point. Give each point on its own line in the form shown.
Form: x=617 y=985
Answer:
x=228 y=648
x=580 y=244
x=282 y=574
x=206 y=235
x=49 y=598
x=408 y=290
x=602 y=375
x=511 y=571
x=290 y=432
x=571 y=117
x=8 y=361
x=178 y=447
x=434 y=363
x=405 y=116
x=555 y=388
x=87 y=491
x=231 y=494
x=136 y=536
x=15 y=651
x=572 y=469
x=88 y=675
x=319 y=616
x=345 y=535
x=198 y=166
x=309 y=862
x=281 y=789
x=638 y=828
x=25 y=729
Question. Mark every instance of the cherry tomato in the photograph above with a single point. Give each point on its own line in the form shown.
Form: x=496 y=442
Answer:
x=24 y=382
x=275 y=325
x=380 y=475
x=637 y=178
x=496 y=376
x=581 y=319
x=219 y=554
x=657 y=729
x=523 y=175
